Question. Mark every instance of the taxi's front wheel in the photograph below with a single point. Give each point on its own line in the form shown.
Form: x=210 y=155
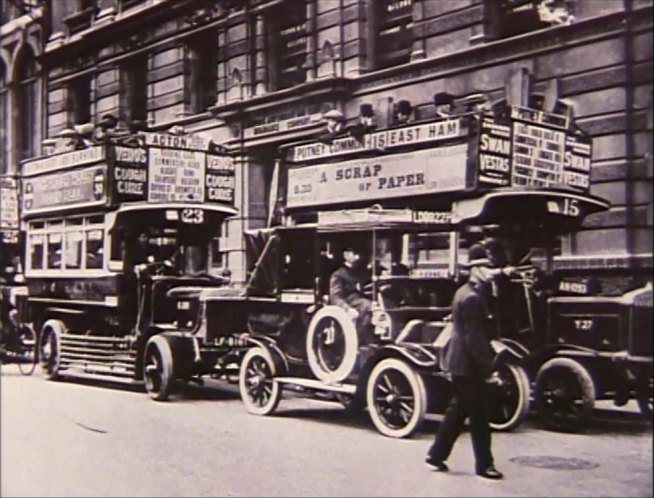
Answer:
x=259 y=391
x=396 y=398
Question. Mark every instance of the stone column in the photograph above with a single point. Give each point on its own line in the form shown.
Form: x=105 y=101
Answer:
x=260 y=56
x=249 y=199
x=418 y=48
x=312 y=42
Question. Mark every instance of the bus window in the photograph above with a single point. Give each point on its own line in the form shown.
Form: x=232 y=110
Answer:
x=36 y=251
x=94 y=248
x=73 y=249
x=433 y=252
x=194 y=260
x=53 y=248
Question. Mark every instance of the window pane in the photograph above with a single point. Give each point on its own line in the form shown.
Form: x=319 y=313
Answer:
x=135 y=83
x=291 y=31
x=36 y=251
x=394 y=39
x=54 y=251
x=94 y=248
x=203 y=51
x=73 y=249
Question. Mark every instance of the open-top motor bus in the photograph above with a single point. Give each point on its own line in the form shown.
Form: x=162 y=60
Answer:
x=520 y=175
x=119 y=244
x=578 y=345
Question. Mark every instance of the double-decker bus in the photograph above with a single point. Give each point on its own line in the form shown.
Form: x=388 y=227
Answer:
x=119 y=235
x=514 y=178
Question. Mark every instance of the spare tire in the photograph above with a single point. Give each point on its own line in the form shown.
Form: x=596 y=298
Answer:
x=332 y=344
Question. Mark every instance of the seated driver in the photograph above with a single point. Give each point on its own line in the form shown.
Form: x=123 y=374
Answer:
x=346 y=291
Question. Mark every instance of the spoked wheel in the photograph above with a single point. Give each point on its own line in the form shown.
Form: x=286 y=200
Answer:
x=49 y=353
x=332 y=344
x=510 y=399
x=158 y=370
x=565 y=395
x=396 y=397
x=259 y=392
x=27 y=350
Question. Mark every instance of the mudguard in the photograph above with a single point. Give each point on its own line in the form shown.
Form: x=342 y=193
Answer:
x=281 y=363
x=414 y=353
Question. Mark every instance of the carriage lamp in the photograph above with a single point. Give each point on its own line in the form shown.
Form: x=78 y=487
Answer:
x=382 y=322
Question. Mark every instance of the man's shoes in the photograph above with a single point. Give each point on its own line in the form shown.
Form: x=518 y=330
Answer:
x=435 y=465
x=490 y=473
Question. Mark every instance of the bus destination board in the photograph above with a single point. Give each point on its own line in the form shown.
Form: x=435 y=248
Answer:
x=73 y=188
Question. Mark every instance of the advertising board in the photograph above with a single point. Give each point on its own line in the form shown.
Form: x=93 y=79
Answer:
x=419 y=172
x=9 y=221
x=534 y=149
x=159 y=175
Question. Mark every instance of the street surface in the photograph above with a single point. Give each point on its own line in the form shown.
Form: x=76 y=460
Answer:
x=97 y=439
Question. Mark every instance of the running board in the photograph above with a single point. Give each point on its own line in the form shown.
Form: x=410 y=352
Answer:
x=317 y=384
x=80 y=374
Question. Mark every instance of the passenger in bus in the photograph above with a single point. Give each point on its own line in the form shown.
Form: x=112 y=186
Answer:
x=346 y=291
x=443 y=102
x=104 y=127
x=365 y=124
x=334 y=125
x=70 y=140
x=84 y=135
x=404 y=112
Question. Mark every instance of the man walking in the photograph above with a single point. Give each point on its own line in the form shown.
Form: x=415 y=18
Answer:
x=470 y=361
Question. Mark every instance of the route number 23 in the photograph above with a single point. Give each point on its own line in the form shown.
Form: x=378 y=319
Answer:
x=193 y=216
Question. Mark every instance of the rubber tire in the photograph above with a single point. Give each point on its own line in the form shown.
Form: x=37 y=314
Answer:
x=577 y=377
x=348 y=329
x=518 y=378
x=51 y=330
x=258 y=361
x=418 y=393
x=29 y=351
x=158 y=349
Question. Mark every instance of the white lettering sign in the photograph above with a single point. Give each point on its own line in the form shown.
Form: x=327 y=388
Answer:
x=80 y=187
x=398 y=175
x=8 y=203
x=65 y=160
x=190 y=142
x=176 y=175
x=385 y=139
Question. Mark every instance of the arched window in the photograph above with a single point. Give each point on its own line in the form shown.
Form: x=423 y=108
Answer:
x=26 y=118
x=4 y=120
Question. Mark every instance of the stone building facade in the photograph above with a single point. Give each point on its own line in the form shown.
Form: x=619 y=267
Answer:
x=259 y=74
x=21 y=84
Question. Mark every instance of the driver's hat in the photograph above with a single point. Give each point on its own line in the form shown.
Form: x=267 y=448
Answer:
x=477 y=257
